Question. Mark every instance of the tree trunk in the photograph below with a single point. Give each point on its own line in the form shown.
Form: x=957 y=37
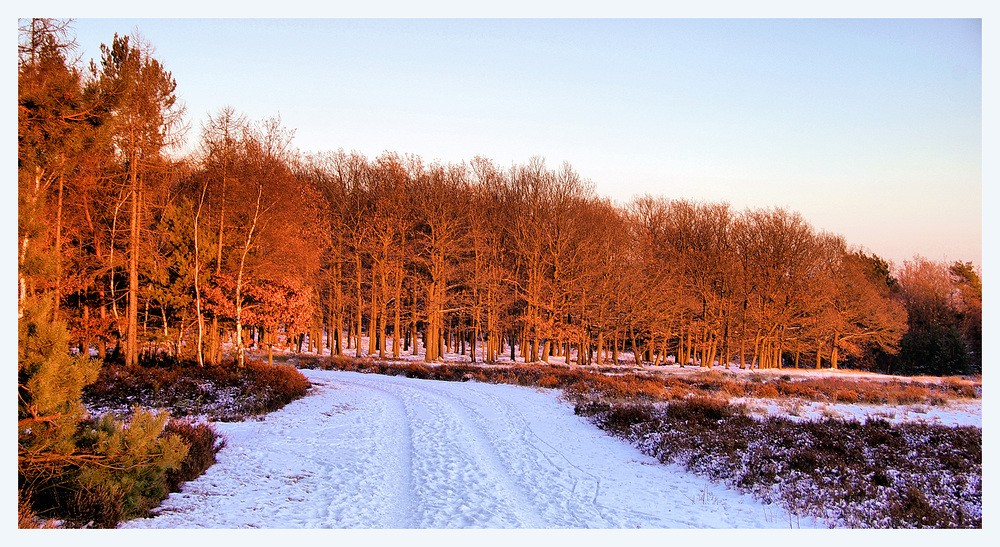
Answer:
x=397 y=320
x=133 y=271
x=635 y=348
x=372 y=319
x=239 y=280
x=834 y=353
x=357 y=324
x=58 y=253
x=413 y=316
x=102 y=346
x=475 y=334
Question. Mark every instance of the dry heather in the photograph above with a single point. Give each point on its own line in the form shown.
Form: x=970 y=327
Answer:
x=866 y=475
x=223 y=393
x=625 y=385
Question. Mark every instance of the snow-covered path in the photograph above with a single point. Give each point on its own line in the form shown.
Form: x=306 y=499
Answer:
x=369 y=451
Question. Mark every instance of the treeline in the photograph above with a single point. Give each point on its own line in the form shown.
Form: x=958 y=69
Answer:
x=251 y=241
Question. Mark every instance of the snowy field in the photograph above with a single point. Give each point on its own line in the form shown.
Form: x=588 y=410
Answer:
x=951 y=414
x=370 y=451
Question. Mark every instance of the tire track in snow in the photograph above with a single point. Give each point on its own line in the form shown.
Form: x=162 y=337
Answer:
x=338 y=458
x=372 y=489
x=458 y=479
x=563 y=494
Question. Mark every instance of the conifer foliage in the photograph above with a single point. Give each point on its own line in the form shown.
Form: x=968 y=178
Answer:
x=94 y=472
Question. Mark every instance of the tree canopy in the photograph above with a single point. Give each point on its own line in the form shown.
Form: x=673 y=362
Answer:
x=251 y=242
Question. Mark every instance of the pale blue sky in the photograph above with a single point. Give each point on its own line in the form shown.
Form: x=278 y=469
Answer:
x=870 y=128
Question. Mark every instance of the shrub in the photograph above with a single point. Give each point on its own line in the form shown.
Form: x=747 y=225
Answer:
x=136 y=458
x=26 y=517
x=733 y=389
x=845 y=396
x=189 y=389
x=841 y=470
x=764 y=391
x=122 y=470
x=203 y=445
x=270 y=387
x=98 y=505
x=115 y=471
x=700 y=408
x=913 y=508
x=416 y=371
x=548 y=381
x=620 y=419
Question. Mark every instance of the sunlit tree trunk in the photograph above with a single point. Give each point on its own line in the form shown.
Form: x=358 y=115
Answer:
x=240 y=349
x=358 y=308
x=131 y=355
x=397 y=320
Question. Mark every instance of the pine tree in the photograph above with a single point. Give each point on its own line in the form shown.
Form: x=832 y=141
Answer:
x=50 y=382
x=49 y=378
x=146 y=114
x=62 y=464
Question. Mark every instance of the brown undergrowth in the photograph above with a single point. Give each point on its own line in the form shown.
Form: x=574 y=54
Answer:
x=869 y=474
x=222 y=392
x=634 y=386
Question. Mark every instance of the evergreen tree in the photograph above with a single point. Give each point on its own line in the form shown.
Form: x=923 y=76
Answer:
x=113 y=468
x=50 y=381
x=944 y=304
x=49 y=378
x=146 y=114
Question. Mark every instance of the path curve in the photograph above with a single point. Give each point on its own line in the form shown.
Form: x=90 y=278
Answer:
x=369 y=451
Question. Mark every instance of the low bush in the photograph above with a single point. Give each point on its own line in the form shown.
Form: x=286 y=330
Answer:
x=763 y=391
x=620 y=419
x=700 y=408
x=26 y=517
x=963 y=388
x=112 y=469
x=733 y=389
x=264 y=388
x=861 y=475
x=222 y=392
x=203 y=444
x=845 y=396
x=117 y=471
x=548 y=381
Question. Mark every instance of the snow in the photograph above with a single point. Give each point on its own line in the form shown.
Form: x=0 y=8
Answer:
x=954 y=413
x=369 y=451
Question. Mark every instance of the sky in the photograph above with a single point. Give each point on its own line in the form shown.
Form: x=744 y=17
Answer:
x=870 y=128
